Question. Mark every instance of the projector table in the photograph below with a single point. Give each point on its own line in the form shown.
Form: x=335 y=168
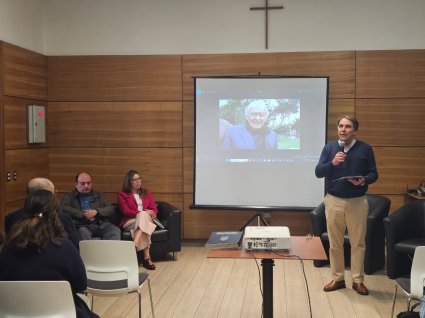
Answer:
x=306 y=248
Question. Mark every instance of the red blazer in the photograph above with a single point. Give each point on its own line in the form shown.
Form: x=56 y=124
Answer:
x=128 y=205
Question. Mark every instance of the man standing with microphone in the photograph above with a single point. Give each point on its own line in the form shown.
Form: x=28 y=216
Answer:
x=348 y=166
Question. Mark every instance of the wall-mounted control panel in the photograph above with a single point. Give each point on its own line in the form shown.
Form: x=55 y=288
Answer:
x=36 y=124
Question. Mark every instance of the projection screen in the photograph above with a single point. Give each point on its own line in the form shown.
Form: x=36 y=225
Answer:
x=257 y=142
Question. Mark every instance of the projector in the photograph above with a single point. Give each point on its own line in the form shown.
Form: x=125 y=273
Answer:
x=267 y=238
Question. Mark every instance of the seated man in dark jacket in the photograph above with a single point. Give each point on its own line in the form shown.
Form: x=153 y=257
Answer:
x=42 y=184
x=90 y=210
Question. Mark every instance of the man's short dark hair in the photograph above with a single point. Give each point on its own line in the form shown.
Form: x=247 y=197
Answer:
x=352 y=119
x=78 y=175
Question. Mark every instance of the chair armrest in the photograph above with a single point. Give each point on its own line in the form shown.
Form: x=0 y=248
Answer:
x=165 y=211
x=170 y=216
x=379 y=206
x=318 y=220
x=401 y=224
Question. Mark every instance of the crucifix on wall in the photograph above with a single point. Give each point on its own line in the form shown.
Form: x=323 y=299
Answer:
x=266 y=9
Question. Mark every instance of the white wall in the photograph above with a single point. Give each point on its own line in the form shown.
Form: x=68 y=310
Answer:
x=211 y=26
x=21 y=23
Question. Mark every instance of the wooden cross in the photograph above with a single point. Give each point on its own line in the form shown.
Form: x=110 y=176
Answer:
x=266 y=8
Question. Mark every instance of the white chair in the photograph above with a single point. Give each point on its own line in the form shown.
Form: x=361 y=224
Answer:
x=413 y=287
x=47 y=299
x=112 y=268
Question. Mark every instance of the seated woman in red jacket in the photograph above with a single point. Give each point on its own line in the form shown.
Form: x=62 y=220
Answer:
x=138 y=208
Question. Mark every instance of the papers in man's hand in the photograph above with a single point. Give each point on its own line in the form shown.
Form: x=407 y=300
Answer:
x=348 y=177
x=220 y=240
x=158 y=223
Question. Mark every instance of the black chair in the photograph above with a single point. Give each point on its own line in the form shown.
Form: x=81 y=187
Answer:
x=405 y=230
x=375 y=234
x=167 y=240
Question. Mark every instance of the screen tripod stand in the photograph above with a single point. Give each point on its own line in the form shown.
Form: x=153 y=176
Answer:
x=260 y=217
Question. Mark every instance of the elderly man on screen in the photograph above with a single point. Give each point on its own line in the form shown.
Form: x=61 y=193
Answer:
x=254 y=133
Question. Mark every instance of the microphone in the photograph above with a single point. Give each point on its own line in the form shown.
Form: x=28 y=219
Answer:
x=341 y=144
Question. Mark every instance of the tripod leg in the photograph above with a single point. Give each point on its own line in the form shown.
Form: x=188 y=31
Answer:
x=249 y=221
x=263 y=220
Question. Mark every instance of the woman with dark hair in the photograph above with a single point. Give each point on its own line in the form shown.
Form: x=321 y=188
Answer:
x=36 y=248
x=138 y=208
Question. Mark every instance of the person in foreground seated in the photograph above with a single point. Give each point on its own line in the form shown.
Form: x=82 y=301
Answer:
x=36 y=249
x=138 y=208
x=42 y=184
x=90 y=210
x=346 y=206
x=254 y=134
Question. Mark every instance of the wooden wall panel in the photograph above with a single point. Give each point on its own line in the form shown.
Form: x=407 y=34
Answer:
x=114 y=124
x=396 y=201
x=24 y=72
x=108 y=114
x=188 y=166
x=161 y=168
x=392 y=122
x=14 y=206
x=16 y=122
x=23 y=81
x=110 y=81
x=28 y=164
x=339 y=66
x=175 y=199
x=114 y=78
x=390 y=74
x=398 y=167
x=2 y=139
x=188 y=124
x=199 y=223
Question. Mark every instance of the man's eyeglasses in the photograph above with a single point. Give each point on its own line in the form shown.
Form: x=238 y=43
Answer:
x=136 y=179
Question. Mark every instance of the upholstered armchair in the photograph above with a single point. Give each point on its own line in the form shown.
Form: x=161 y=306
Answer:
x=375 y=234
x=166 y=240
x=405 y=230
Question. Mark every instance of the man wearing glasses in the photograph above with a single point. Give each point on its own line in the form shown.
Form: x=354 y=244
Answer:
x=254 y=133
x=90 y=211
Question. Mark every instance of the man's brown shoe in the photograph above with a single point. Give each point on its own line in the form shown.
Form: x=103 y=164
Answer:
x=361 y=289
x=334 y=285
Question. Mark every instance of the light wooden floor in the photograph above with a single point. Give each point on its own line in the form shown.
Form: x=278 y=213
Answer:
x=195 y=286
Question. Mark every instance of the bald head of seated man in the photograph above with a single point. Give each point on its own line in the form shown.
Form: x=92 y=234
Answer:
x=42 y=184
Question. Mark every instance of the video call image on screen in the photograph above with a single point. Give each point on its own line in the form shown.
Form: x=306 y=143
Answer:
x=252 y=124
x=258 y=140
